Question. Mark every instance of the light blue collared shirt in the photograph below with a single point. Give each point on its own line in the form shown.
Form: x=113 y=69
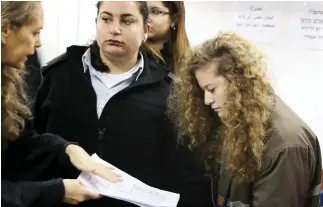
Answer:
x=107 y=85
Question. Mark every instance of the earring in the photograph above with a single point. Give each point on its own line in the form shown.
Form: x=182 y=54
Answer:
x=174 y=28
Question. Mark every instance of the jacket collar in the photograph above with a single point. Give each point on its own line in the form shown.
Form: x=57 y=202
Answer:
x=152 y=72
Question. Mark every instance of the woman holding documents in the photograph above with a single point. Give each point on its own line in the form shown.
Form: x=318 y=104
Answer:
x=262 y=154
x=25 y=156
x=111 y=99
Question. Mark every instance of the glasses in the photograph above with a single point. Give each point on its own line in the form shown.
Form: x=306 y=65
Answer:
x=158 y=12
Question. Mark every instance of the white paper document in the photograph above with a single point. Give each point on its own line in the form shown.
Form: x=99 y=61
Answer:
x=129 y=189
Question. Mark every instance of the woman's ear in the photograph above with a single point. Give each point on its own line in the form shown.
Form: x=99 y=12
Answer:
x=5 y=30
x=174 y=21
x=147 y=28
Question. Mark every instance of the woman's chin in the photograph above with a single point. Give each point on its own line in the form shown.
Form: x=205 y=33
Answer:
x=114 y=51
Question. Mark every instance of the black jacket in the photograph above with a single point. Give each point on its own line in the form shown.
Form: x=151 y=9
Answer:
x=132 y=132
x=25 y=166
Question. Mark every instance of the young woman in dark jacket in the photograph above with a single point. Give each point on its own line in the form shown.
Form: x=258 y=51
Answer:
x=27 y=159
x=112 y=100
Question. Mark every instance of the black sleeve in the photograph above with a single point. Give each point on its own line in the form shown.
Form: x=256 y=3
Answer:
x=41 y=95
x=25 y=163
x=36 y=194
x=39 y=154
x=34 y=144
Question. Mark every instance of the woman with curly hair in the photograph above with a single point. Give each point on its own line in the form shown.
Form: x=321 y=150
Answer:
x=260 y=152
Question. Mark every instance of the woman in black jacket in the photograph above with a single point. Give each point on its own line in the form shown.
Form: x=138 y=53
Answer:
x=28 y=158
x=112 y=100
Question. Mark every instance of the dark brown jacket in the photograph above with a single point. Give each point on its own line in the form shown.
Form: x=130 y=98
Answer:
x=291 y=173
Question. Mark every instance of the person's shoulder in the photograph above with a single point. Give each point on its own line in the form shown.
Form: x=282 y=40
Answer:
x=73 y=54
x=168 y=75
x=156 y=66
x=288 y=130
x=54 y=63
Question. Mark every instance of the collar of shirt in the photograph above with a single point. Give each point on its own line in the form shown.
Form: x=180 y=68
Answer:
x=86 y=60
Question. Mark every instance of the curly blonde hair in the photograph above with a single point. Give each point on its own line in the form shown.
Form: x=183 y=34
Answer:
x=241 y=136
x=14 y=108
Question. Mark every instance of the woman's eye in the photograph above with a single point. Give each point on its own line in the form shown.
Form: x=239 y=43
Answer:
x=155 y=12
x=127 y=22
x=36 y=33
x=106 y=20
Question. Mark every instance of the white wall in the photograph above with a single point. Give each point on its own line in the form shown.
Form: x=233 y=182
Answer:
x=296 y=71
x=66 y=23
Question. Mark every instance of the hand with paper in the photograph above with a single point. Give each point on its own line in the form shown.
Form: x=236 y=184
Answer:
x=129 y=189
x=76 y=193
x=82 y=161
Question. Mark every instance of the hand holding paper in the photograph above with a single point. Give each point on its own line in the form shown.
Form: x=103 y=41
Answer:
x=130 y=189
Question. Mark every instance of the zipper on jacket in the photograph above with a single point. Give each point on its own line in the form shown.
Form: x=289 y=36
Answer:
x=101 y=137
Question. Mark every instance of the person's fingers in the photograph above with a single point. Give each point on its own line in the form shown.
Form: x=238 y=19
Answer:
x=89 y=165
x=92 y=195
x=87 y=194
x=108 y=174
x=111 y=168
x=75 y=202
x=101 y=170
x=72 y=201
